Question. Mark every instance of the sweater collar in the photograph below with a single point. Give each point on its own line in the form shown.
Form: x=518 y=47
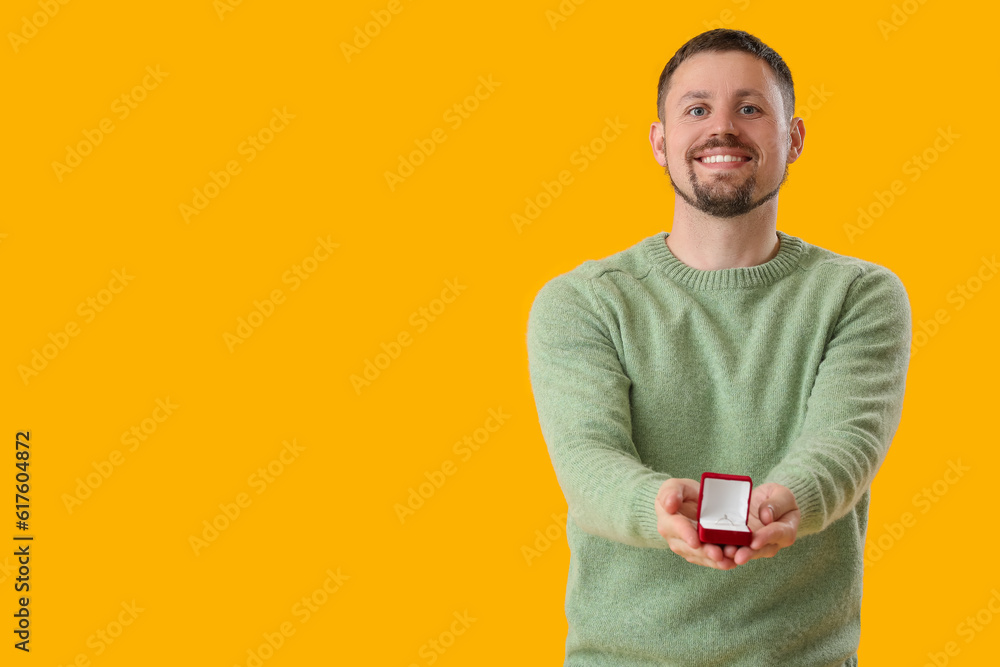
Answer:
x=789 y=253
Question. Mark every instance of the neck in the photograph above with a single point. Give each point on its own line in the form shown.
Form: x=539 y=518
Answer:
x=708 y=243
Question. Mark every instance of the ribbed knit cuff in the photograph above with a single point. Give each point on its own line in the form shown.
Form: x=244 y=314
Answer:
x=645 y=511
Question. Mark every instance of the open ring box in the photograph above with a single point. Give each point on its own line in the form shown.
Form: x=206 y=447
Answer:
x=724 y=508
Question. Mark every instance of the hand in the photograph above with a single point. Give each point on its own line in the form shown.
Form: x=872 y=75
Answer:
x=676 y=521
x=774 y=521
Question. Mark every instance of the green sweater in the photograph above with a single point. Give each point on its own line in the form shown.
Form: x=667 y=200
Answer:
x=792 y=371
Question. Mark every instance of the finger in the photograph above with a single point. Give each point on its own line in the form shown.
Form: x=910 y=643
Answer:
x=766 y=514
x=775 y=534
x=689 y=509
x=730 y=550
x=724 y=564
x=681 y=528
x=679 y=495
x=779 y=533
x=718 y=559
x=667 y=500
x=689 y=489
x=780 y=501
x=671 y=495
x=744 y=555
x=682 y=538
x=714 y=552
x=699 y=556
x=747 y=554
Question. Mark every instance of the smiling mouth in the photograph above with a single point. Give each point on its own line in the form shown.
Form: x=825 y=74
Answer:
x=714 y=159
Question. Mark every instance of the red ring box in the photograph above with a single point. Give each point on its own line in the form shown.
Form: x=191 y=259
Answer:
x=724 y=508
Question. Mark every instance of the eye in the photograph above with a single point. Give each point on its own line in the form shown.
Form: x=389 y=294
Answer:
x=697 y=109
x=749 y=106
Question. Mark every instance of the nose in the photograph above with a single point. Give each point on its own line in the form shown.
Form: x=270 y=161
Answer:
x=723 y=122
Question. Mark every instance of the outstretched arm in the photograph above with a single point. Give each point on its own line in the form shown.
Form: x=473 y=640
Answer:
x=582 y=396
x=855 y=405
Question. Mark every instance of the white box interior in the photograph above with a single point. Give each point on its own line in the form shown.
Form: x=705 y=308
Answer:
x=724 y=504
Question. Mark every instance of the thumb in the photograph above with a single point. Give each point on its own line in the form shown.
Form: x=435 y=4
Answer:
x=777 y=502
x=673 y=500
x=672 y=495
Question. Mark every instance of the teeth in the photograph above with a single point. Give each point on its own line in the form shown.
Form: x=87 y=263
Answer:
x=722 y=158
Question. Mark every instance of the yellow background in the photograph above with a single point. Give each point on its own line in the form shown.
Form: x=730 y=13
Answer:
x=323 y=176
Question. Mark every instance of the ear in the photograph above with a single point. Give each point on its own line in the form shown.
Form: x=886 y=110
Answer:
x=797 y=137
x=656 y=140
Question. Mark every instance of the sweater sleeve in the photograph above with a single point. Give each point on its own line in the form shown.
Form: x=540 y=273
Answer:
x=582 y=397
x=855 y=405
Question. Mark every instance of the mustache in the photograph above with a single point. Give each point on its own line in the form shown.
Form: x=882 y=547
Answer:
x=722 y=144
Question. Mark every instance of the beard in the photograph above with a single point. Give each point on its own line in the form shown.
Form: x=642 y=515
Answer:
x=721 y=198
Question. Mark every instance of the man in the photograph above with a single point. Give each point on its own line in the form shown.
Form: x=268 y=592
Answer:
x=724 y=346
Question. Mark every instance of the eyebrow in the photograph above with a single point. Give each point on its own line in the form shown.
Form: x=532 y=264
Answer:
x=704 y=94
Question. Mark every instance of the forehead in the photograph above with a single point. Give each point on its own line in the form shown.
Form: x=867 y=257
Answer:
x=711 y=74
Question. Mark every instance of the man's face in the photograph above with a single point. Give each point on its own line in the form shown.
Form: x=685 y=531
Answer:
x=728 y=104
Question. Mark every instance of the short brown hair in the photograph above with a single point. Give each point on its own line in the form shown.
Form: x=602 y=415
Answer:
x=724 y=39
